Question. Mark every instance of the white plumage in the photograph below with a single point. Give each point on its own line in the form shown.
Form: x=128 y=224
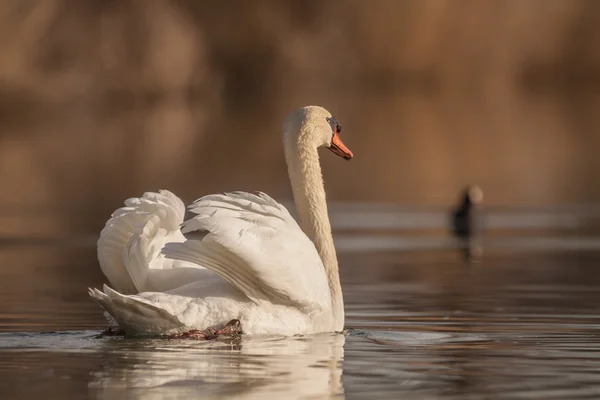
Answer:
x=241 y=256
x=129 y=248
x=256 y=245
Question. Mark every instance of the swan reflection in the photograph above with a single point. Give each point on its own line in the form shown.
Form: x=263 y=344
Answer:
x=252 y=367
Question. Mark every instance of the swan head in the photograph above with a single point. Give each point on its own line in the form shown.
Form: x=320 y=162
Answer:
x=315 y=126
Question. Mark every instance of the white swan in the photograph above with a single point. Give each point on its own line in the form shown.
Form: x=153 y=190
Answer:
x=241 y=257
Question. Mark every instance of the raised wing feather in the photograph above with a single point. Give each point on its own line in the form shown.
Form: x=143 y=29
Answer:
x=129 y=248
x=127 y=222
x=254 y=243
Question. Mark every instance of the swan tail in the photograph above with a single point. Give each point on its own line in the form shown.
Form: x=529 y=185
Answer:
x=129 y=229
x=112 y=323
x=135 y=315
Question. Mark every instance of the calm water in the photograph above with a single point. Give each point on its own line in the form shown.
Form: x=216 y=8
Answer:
x=522 y=323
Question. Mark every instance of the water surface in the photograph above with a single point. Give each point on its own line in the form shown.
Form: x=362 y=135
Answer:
x=521 y=323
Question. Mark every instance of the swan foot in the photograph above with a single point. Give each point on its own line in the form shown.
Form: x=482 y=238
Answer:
x=193 y=334
x=232 y=328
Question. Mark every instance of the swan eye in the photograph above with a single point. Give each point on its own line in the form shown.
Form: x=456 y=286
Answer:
x=335 y=125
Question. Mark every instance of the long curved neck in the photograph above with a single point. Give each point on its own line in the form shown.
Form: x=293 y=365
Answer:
x=311 y=206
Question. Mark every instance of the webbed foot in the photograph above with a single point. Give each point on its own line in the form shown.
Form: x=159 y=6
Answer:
x=232 y=328
x=193 y=334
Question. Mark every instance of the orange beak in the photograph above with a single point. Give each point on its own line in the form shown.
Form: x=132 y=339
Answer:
x=339 y=148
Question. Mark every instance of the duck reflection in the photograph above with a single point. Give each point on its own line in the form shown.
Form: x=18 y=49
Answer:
x=251 y=367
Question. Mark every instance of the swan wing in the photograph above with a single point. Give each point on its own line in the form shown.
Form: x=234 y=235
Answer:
x=129 y=248
x=253 y=242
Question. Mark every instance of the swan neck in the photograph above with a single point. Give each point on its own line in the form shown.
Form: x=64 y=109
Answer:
x=311 y=207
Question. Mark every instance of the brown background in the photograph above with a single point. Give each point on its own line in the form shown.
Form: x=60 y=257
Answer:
x=102 y=100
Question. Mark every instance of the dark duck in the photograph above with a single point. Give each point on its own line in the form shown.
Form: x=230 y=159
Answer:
x=466 y=221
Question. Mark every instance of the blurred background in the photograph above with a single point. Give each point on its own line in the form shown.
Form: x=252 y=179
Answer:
x=101 y=100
